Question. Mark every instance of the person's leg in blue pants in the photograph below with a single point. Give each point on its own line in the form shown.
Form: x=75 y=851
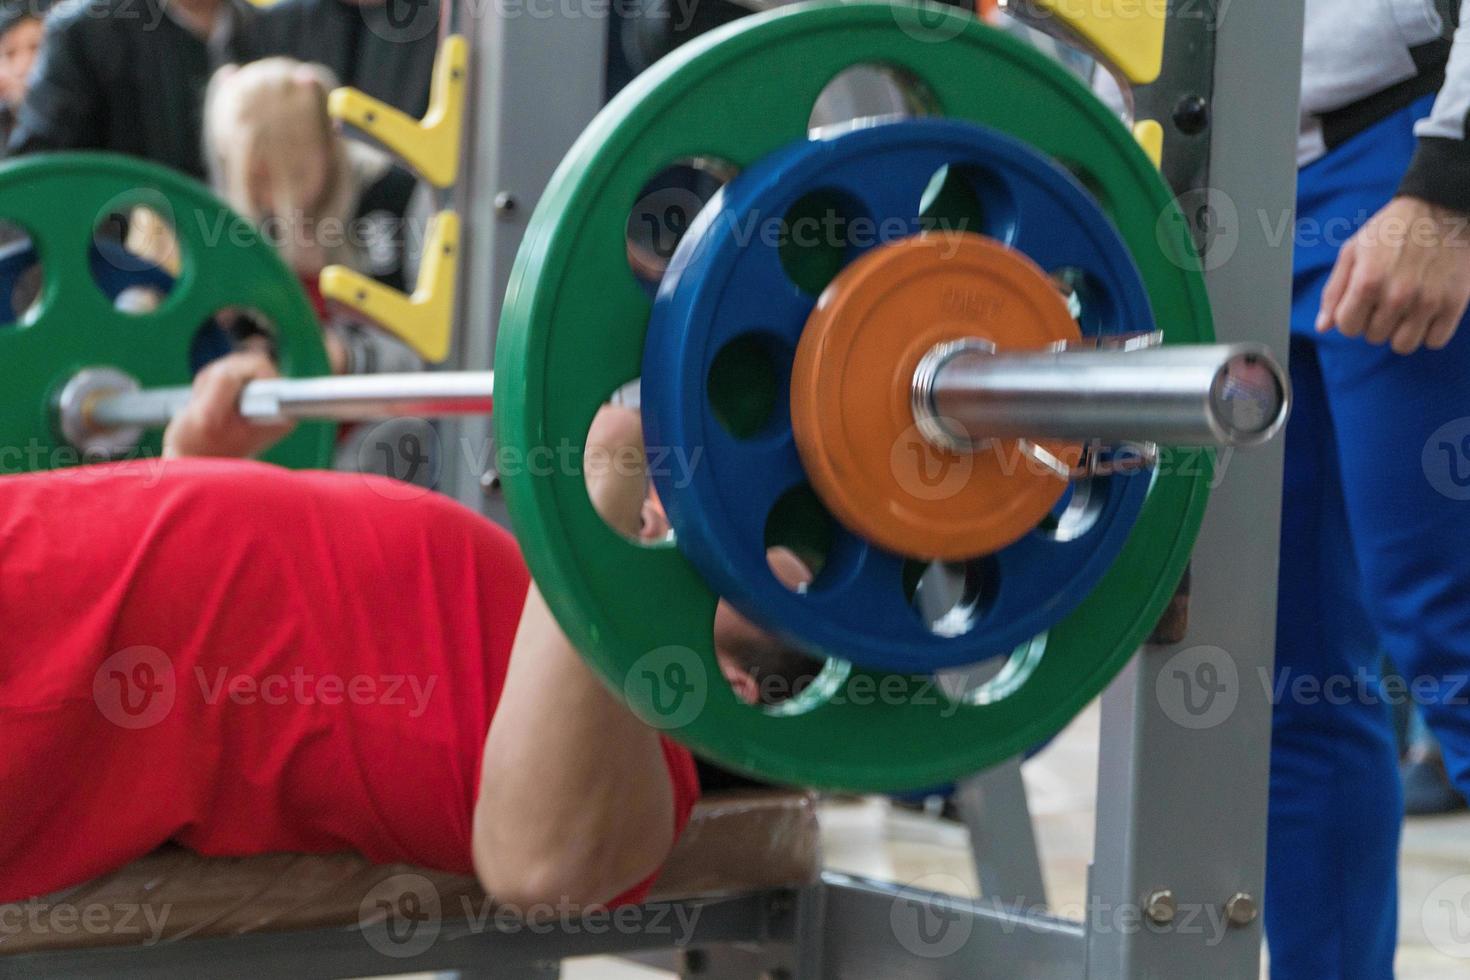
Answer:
x=1365 y=529
x=1335 y=811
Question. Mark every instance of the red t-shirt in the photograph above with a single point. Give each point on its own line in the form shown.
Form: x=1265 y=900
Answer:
x=245 y=660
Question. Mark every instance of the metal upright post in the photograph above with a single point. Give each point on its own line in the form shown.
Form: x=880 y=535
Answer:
x=997 y=815
x=1176 y=883
x=537 y=79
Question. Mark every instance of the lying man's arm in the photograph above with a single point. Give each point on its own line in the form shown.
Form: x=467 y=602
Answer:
x=576 y=803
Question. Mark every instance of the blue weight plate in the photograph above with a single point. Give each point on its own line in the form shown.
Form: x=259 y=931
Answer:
x=729 y=294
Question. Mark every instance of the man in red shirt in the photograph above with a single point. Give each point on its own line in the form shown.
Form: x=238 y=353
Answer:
x=244 y=659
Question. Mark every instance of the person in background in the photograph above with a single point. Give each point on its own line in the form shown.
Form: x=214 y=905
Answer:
x=1373 y=534
x=128 y=76
x=385 y=48
x=1374 y=530
x=21 y=26
x=274 y=155
x=20 y=41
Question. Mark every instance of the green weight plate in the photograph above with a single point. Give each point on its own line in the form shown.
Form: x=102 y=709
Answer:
x=59 y=200
x=573 y=331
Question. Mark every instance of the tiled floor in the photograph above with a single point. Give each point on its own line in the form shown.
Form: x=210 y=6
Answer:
x=870 y=838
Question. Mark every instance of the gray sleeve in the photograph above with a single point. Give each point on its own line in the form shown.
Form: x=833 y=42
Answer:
x=374 y=351
x=1440 y=172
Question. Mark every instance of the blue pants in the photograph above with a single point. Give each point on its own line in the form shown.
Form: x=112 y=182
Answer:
x=1375 y=558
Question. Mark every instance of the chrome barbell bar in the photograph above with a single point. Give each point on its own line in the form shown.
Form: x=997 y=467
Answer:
x=964 y=394
x=103 y=411
x=350 y=398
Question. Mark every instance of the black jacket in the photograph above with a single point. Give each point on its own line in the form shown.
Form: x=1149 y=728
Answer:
x=120 y=75
x=384 y=49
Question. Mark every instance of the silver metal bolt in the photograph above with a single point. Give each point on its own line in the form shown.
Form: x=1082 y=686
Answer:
x=1241 y=910
x=1161 y=907
x=505 y=204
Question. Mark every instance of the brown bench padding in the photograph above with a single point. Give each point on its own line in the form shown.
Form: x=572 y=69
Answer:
x=735 y=842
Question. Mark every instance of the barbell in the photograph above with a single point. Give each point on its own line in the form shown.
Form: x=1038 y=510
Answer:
x=923 y=395
x=1194 y=397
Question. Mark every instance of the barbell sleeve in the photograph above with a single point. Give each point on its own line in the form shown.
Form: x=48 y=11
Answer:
x=965 y=393
x=351 y=398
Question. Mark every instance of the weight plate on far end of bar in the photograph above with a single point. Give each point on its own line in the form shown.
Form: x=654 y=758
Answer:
x=76 y=323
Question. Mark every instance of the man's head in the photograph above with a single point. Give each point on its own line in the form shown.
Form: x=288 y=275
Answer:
x=20 y=42
x=760 y=667
x=275 y=156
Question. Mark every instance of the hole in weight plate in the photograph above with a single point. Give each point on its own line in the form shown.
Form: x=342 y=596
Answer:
x=819 y=236
x=615 y=470
x=800 y=535
x=950 y=597
x=135 y=257
x=1078 y=510
x=965 y=198
x=1087 y=301
x=22 y=276
x=866 y=94
x=230 y=330
x=749 y=383
x=768 y=673
x=666 y=207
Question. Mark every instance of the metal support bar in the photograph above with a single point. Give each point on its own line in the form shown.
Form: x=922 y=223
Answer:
x=1183 y=782
x=878 y=930
x=343 y=399
x=997 y=814
x=1189 y=395
x=518 y=63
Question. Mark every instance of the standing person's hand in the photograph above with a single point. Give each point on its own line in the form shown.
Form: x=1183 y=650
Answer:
x=1403 y=279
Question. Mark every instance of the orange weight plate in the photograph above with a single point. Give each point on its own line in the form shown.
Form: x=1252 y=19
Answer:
x=851 y=389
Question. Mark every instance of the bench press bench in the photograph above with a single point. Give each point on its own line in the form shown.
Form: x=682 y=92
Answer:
x=175 y=913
